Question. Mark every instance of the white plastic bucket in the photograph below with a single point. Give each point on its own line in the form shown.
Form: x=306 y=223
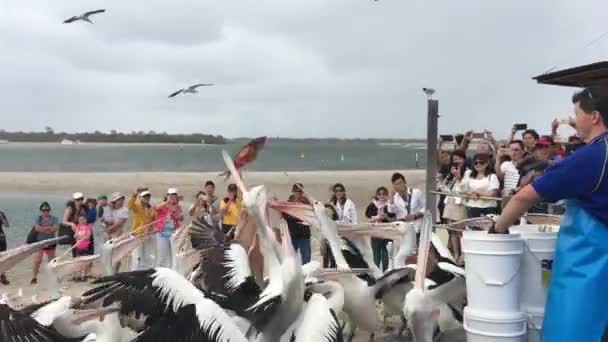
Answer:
x=492 y=271
x=535 y=325
x=539 y=249
x=494 y=327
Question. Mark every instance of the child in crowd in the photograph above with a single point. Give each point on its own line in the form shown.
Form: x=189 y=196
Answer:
x=82 y=234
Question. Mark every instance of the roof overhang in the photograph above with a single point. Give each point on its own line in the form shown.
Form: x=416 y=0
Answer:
x=581 y=76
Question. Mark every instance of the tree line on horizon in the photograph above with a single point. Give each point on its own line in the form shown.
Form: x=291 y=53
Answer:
x=49 y=135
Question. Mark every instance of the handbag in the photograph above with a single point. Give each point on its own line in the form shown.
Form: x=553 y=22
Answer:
x=32 y=236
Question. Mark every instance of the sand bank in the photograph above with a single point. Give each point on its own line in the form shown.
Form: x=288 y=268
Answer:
x=360 y=185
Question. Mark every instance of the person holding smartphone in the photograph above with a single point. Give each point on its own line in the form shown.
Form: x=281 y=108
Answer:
x=580 y=265
x=230 y=209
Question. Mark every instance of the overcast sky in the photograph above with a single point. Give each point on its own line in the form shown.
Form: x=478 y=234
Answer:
x=307 y=68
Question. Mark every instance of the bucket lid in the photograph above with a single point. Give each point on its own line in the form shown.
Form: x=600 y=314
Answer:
x=494 y=316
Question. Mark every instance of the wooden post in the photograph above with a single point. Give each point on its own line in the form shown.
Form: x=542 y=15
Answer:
x=431 y=157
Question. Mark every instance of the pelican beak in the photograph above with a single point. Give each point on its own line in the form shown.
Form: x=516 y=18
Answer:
x=334 y=274
x=82 y=316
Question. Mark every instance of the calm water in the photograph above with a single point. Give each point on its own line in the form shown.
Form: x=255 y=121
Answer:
x=280 y=156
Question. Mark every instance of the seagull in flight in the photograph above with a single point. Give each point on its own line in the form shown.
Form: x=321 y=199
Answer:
x=84 y=17
x=429 y=92
x=191 y=89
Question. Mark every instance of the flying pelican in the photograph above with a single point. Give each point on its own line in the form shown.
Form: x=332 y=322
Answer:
x=84 y=17
x=190 y=90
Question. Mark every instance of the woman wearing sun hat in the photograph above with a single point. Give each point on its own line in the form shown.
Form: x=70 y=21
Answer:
x=73 y=208
x=169 y=217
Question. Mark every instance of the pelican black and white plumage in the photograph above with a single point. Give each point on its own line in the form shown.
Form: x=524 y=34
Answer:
x=174 y=310
x=57 y=320
x=191 y=89
x=84 y=17
x=281 y=301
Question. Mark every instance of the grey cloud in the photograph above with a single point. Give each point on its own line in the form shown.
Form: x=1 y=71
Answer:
x=346 y=68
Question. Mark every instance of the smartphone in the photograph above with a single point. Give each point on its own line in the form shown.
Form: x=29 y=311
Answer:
x=564 y=121
x=479 y=135
x=520 y=127
x=447 y=137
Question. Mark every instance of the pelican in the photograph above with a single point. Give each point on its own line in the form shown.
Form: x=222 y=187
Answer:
x=424 y=308
x=57 y=320
x=173 y=308
x=191 y=89
x=281 y=302
x=84 y=17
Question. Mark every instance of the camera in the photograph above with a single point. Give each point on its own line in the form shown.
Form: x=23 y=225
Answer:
x=447 y=137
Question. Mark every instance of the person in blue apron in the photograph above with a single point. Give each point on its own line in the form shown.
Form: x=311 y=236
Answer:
x=577 y=303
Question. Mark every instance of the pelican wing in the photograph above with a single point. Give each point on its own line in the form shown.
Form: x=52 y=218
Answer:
x=176 y=93
x=30 y=309
x=319 y=322
x=205 y=236
x=17 y=326
x=201 y=85
x=70 y=20
x=89 y=13
x=132 y=290
x=393 y=277
x=228 y=280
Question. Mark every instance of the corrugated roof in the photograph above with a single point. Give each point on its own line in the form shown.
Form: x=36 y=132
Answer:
x=581 y=76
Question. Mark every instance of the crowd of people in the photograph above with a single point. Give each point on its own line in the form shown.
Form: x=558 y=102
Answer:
x=474 y=182
x=482 y=179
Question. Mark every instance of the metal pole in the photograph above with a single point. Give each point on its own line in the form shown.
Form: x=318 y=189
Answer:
x=431 y=157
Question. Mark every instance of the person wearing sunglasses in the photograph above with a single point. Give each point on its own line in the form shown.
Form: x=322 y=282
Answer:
x=347 y=212
x=577 y=297
x=46 y=225
x=3 y=223
x=479 y=182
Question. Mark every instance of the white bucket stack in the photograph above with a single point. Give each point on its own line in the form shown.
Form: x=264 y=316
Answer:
x=539 y=249
x=493 y=272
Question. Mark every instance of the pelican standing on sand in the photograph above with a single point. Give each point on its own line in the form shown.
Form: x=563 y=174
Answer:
x=191 y=89
x=84 y=17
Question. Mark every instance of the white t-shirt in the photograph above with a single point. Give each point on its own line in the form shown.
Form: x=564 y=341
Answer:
x=347 y=214
x=510 y=175
x=480 y=185
x=112 y=215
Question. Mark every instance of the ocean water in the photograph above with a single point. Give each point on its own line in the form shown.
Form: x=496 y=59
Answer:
x=279 y=156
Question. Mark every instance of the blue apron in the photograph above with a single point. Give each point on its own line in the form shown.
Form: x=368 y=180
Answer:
x=577 y=303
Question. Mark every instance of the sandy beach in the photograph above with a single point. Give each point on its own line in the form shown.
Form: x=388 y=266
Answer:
x=360 y=186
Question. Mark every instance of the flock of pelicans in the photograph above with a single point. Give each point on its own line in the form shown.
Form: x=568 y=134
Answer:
x=86 y=17
x=253 y=288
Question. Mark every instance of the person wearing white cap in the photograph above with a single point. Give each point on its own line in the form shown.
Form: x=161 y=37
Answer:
x=142 y=215
x=115 y=216
x=73 y=209
x=169 y=217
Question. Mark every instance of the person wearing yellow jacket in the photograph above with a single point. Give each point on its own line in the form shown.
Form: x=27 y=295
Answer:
x=142 y=214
